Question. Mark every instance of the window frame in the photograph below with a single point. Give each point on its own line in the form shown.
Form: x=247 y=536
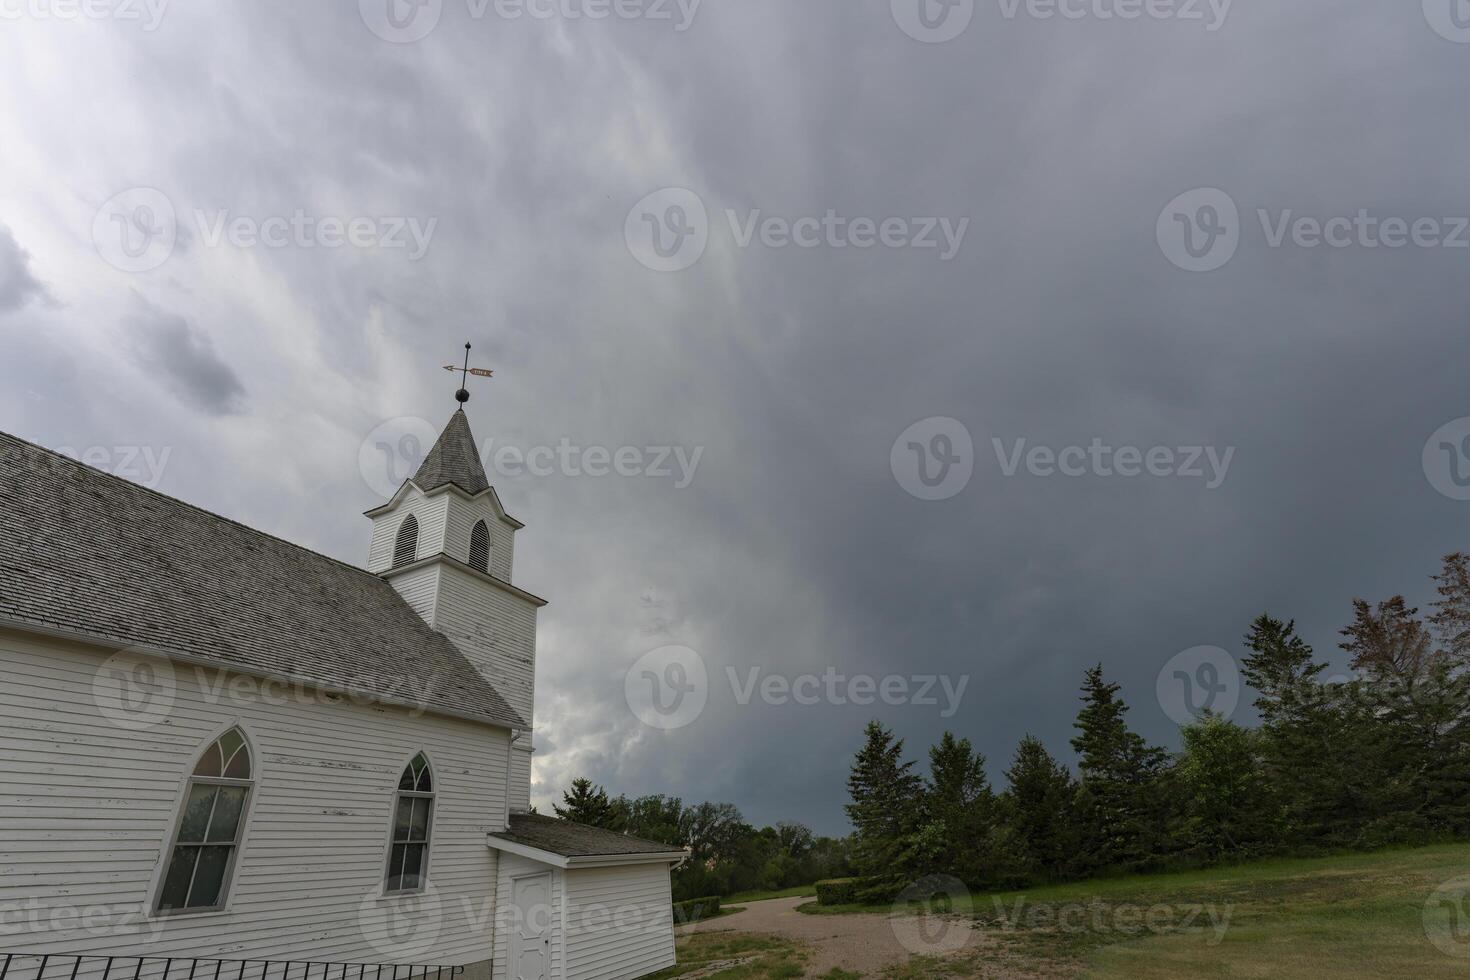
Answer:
x=236 y=846
x=428 y=842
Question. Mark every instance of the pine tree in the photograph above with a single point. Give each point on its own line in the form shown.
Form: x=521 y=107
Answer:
x=1124 y=803
x=1038 y=810
x=886 y=796
x=1228 y=809
x=960 y=804
x=1451 y=616
x=589 y=804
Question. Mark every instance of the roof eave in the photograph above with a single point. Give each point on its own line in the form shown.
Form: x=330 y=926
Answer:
x=574 y=862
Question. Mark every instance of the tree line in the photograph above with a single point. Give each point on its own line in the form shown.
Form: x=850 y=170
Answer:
x=726 y=854
x=1379 y=759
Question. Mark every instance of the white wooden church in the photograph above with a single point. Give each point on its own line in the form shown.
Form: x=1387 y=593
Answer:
x=226 y=757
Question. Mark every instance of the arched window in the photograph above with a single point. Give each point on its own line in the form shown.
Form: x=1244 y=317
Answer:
x=413 y=814
x=480 y=548
x=210 y=826
x=406 y=546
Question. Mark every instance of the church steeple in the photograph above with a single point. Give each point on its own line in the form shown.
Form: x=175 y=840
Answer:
x=454 y=459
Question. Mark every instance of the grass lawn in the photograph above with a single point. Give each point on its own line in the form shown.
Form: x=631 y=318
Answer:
x=750 y=957
x=1360 y=915
x=800 y=891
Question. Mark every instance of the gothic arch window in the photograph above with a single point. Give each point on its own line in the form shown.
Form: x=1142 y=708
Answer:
x=480 y=548
x=413 y=815
x=406 y=545
x=211 y=823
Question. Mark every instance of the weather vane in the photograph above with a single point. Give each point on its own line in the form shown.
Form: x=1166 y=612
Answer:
x=463 y=394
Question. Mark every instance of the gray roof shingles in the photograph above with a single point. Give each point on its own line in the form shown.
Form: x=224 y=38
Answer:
x=454 y=459
x=83 y=551
x=575 y=839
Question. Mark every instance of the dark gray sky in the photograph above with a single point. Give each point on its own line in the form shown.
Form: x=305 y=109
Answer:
x=139 y=309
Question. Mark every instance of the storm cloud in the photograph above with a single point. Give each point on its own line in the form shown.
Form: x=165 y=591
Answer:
x=794 y=161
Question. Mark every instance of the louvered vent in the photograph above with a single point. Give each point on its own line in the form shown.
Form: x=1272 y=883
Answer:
x=480 y=548
x=406 y=547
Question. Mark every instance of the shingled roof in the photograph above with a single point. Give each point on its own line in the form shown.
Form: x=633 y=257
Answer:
x=575 y=839
x=454 y=459
x=85 y=552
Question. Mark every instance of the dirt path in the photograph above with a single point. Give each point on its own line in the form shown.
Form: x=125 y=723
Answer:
x=867 y=944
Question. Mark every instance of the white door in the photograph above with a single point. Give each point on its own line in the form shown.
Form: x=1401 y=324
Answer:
x=530 y=935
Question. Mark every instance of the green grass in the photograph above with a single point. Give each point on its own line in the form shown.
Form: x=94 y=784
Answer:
x=1355 y=915
x=751 y=957
x=800 y=891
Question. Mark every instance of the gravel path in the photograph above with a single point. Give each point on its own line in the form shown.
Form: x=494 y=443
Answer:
x=867 y=944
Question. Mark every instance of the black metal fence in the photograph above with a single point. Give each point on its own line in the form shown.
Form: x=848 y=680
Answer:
x=54 y=966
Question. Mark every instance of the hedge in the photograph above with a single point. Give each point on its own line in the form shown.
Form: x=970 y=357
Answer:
x=856 y=891
x=696 y=909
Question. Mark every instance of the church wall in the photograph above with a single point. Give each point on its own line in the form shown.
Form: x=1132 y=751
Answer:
x=87 y=810
x=619 y=922
x=495 y=630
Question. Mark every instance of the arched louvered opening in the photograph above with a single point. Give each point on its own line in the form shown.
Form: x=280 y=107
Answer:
x=406 y=547
x=210 y=827
x=480 y=548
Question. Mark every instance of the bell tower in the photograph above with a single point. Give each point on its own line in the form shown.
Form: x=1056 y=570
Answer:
x=446 y=544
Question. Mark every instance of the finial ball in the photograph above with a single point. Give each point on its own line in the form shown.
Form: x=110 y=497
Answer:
x=461 y=396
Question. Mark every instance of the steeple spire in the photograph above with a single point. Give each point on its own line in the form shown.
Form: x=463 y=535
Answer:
x=454 y=458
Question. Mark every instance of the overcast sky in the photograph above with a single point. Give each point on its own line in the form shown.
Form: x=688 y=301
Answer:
x=1078 y=255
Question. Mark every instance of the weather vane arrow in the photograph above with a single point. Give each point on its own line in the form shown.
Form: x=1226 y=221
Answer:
x=463 y=394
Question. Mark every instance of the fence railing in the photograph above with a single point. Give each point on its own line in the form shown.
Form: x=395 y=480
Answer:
x=63 y=966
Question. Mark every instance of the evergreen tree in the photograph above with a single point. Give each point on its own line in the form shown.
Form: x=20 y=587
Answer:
x=1038 y=810
x=1451 y=616
x=589 y=804
x=960 y=804
x=885 y=805
x=1123 y=803
x=1224 y=786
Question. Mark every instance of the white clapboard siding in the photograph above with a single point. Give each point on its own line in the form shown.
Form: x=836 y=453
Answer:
x=513 y=866
x=520 y=778
x=460 y=520
x=87 y=810
x=495 y=630
x=619 y=922
x=431 y=512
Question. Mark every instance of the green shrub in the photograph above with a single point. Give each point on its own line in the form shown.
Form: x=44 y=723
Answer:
x=696 y=909
x=857 y=891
